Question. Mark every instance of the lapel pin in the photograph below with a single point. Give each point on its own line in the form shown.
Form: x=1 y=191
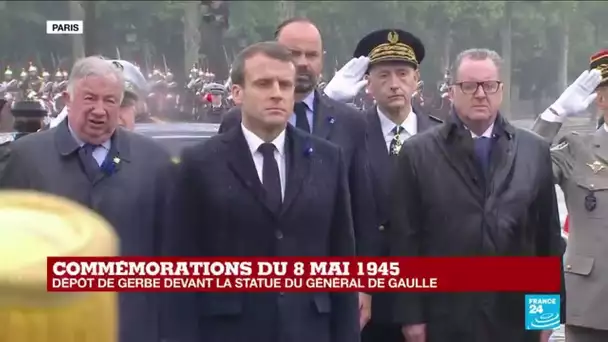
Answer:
x=331 y=120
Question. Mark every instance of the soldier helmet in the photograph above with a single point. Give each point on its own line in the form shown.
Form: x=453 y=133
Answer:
x=23 y=73
x=45 y=73
x=8 y=71
x=26 y=239
x=58 y=74
x=135 y=82
x=214 y=88
x=65 y=74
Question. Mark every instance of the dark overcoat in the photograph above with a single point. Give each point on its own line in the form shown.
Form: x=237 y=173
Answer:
x=444 y=205
x=220 y=211
x=130 y=197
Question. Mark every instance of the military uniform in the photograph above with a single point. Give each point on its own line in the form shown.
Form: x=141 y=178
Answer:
x=384 y=140
x=580 y=167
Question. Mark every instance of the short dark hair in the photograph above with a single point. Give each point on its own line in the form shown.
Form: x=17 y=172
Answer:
x=291 y=21
x=273 y=50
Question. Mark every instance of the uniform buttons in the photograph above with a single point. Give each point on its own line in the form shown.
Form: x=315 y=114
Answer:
x=381 y=228
x=568 y=267
x=278 y=234
x=591 y=186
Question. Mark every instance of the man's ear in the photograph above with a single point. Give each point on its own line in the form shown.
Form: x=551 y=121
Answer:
x=417 y=75
x=237 y=94
x=366 y=78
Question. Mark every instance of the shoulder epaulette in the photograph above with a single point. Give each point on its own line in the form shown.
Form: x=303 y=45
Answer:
x=436 y=119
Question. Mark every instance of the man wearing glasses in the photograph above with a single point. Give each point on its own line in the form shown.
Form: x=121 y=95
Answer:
x=474 y=186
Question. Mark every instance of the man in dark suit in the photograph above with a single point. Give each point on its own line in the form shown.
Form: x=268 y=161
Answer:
x=262 y=188
x=475 y=186
x=330 y=120
x=89 y=159
x=392 y=78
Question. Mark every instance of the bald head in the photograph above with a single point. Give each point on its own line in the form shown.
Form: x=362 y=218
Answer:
x=303 y=39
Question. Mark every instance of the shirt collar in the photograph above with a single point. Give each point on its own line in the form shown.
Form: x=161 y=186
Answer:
x=309 y=100
x=80 y=143
x=254 y=141
x=410 y=124
x=486 y=134
x=606 y=127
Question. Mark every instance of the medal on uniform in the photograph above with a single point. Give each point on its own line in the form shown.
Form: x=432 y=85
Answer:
x=590 y=201
x=597 y=166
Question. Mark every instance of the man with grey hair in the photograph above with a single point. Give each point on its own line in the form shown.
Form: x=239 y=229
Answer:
x=133 y=102
x=474 y=186
x=89 y=159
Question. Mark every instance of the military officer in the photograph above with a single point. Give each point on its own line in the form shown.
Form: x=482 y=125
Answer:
x=580 y=167
x=392 y=78
x=28 y=313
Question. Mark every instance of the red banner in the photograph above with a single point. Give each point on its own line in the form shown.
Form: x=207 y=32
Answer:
x=477 y=274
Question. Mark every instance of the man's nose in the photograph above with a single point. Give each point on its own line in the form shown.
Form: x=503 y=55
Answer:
x=99 y=107
x=276 y=93
x=479 y=92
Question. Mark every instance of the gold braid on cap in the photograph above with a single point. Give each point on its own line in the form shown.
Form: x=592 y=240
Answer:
x=392 y=50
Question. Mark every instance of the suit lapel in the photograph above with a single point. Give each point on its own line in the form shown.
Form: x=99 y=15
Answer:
x=241 y=163
x=503 y=153
x=323 y=121
x=299 y=153
x=379 y=156
x=457 y=148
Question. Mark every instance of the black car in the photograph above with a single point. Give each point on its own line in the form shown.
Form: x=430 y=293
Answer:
x=175 y=136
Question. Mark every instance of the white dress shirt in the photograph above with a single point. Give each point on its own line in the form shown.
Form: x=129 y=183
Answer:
x=410 y=126
x=99 y=153
x=487 y=133
x=254 y=143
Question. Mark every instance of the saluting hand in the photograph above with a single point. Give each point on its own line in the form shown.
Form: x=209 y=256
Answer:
x=348 y=81
x=578 y=96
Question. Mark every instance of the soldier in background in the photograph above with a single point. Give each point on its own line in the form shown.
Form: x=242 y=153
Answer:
x=215 y=95
x=580 y=168
x=28 y=313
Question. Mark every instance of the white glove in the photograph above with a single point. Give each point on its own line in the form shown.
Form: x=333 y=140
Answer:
x=348 y=81
x=576 y=98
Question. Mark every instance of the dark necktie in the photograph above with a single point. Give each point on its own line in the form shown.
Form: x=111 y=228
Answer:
x=300 y=109
x=483 y=146
x=395 y=145
x=270 y=176
x=85 y=153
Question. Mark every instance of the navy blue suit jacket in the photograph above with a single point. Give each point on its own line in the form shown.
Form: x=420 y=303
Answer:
x=219 y=210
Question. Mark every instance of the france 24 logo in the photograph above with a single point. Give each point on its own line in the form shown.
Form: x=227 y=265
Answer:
x=542 y=312
x=64 y=27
